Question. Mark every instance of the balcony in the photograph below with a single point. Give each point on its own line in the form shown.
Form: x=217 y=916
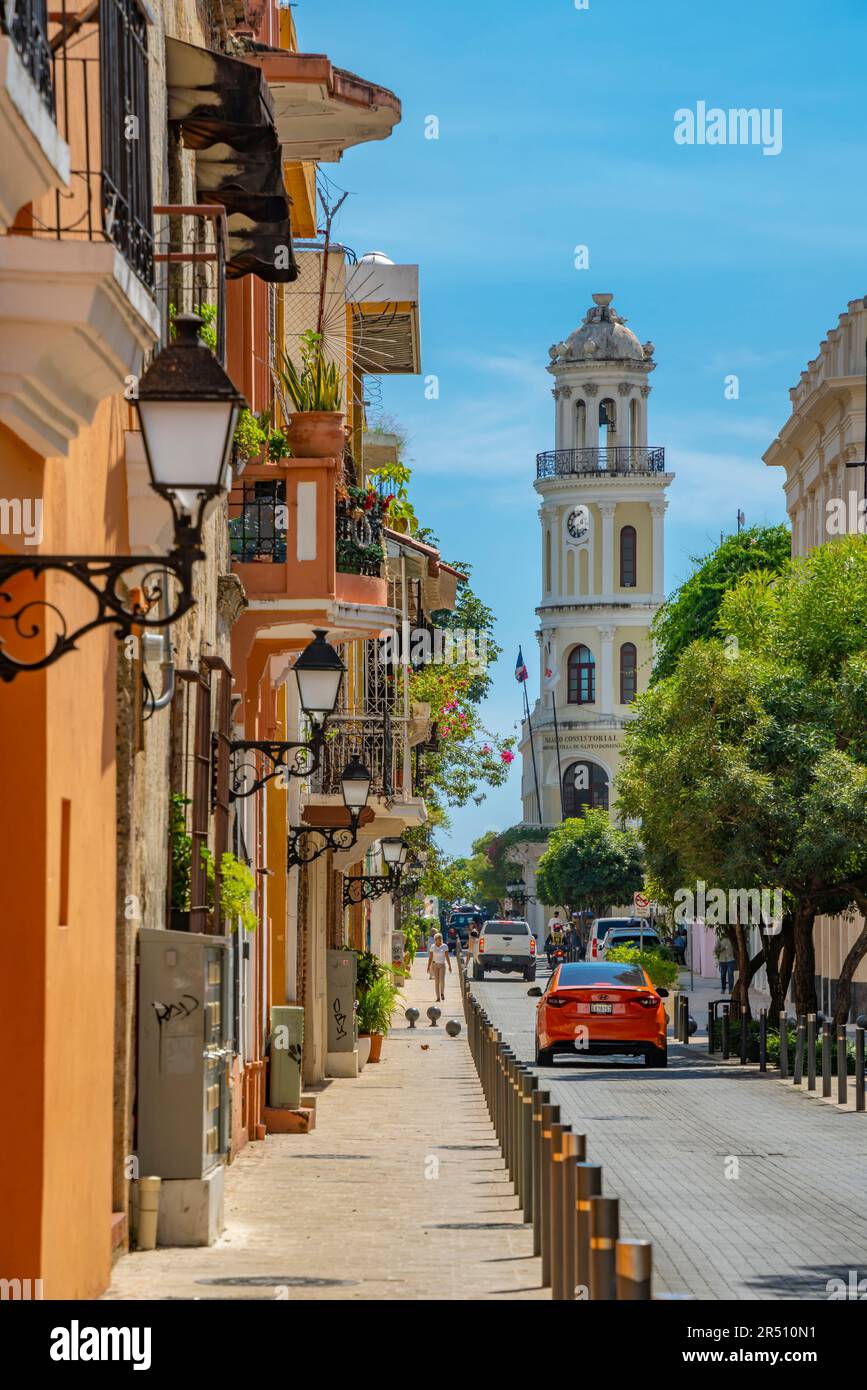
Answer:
x=77 y=268
x=35 y=157
x=620 y=460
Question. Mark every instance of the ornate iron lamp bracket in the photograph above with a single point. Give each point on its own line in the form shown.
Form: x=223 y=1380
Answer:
x=367 y=887
x=305 y=843
x=299 y=758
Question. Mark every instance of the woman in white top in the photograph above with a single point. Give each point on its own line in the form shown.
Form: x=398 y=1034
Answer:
x=437 y=960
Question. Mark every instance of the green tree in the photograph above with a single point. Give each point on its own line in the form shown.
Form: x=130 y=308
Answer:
x=590 y=863
x=693 y=611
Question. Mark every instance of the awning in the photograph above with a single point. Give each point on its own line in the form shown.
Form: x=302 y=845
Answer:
x=222 y=108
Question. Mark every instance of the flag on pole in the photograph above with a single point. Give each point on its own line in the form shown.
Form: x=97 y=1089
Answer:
x=552 y=675
x=521 y=672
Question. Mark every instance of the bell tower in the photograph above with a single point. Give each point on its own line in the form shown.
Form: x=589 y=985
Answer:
x=602 y=493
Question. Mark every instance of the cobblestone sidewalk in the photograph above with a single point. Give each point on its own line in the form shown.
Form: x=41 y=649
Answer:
x=353 y=1210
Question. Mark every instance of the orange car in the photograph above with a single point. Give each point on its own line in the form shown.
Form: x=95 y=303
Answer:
x=601 y=1007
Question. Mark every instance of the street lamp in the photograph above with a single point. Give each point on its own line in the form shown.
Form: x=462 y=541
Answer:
x=319 y=672
x=394 y=852
x=302 y=849
x=188 y=408
x=367 y=887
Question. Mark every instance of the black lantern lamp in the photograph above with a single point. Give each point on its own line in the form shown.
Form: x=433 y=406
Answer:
x=394 y=852
x=319 y=672
x=306 y=843
x=188 y=408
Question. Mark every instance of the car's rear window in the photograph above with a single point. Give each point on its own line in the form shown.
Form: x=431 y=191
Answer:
x=464 y=919
x=506 y=929
x=606 y=924
x=586 y=974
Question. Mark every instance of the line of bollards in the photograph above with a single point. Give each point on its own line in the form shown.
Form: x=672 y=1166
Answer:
x=576 y=1229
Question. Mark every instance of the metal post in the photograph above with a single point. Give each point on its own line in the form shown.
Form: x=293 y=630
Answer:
x=540 y=1100
x=559 y=1147
x=506 y=1136
x=711 y=1028
x=574 y=1151
x=529 y=1084
x=859 y=1062
x=743 y=1033
x=588 y=1184
x=726 y=1033
x=550 y=1117
x=811 y=1052
x=826 y=1058
x=549 y=1226
x=763 y=1040
x=634 y=1267
x=784 y=1045
x=685 y=1024
x=842 y=1066
x=604 y=1230
x=800 y=1033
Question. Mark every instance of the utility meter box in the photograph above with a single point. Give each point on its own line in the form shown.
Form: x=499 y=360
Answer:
x=341 y=971
x=184 y=1051
x=287 y=1041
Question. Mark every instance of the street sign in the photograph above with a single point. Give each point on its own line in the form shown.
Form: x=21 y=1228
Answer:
x=641 y=904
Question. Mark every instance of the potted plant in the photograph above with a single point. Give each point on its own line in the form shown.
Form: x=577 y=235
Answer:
x=314 y=416
x=375 y=1007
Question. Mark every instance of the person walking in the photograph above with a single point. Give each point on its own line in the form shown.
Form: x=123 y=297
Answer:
x=725 y=958
x=438 y=959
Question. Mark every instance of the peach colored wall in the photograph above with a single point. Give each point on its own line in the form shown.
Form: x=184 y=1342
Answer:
x=59 y=729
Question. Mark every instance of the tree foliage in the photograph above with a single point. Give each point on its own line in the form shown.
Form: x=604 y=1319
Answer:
x=590 y=863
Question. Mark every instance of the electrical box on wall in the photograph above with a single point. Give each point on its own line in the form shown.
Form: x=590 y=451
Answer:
x=184 y=1050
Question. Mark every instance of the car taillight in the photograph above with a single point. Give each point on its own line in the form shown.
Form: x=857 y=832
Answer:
x=648 y=1001
x=556 y=1001
x=594 y=947
x=481 y=943
x=532 y=945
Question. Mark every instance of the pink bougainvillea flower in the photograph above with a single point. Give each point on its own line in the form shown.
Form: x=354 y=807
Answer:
x=507 y=756
x=486 y=748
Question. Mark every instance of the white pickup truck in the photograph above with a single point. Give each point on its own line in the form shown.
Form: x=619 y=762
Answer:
x=503 y=945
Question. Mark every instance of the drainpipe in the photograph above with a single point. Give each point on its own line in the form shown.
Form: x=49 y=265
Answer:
x=152 y=643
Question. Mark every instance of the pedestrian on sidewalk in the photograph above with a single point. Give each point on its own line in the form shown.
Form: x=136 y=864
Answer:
x=725 y=958
x=438 y=959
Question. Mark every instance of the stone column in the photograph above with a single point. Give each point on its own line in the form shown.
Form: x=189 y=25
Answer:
x=657 y=511
x=558 y=418
x=606 y=511
x=605 y=693
x=642 y=417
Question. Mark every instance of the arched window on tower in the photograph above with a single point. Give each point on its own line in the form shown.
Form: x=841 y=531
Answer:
x=582 y=676
x=584 y=784
x=608 y=422
x=628 y=557
x=628 y=673
x=580 y=425
x=547 y=562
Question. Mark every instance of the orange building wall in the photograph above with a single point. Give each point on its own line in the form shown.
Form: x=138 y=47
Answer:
x=57 y=980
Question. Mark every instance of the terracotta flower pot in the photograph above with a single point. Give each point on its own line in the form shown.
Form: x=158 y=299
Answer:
x=316 y=434
x=376 y=1041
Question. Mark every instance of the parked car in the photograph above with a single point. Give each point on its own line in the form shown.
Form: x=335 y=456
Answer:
x=601 y=1008
x=642 y=937
x=600 y=929
x=461 y=923
x=504 y=945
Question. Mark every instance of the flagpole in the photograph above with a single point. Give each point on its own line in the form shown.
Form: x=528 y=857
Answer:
x=532 y=750
x=557 y=745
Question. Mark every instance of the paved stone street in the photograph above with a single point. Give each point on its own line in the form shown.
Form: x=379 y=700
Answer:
x=347 y=1212
x=795 y=1215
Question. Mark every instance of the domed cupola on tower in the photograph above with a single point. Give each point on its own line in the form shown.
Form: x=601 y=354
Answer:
x=602 y=494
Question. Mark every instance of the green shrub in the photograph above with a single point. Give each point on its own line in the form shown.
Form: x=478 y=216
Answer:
x=376 y=1005
x=663 y=971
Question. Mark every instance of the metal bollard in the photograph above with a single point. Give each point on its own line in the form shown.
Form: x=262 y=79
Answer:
x=634 y=1270
x=726 y=1032
x=859 y=1061
x=550 y=1120
x=550 y=1229
x=588 y=1184
x=529 y=1085
x=711 y=1029
x=517 y=1131
x=540 y=1100
x=559 y=1146
x=826 y=1058
x=842 y=1065
x=573 y=1151
x=743 y=1034
x=685 y=1025
x=604 y=1231
x=506 y=1137
x=811 y=1052
x=798 y=1074
x=763 y=1040
x=784 y=1046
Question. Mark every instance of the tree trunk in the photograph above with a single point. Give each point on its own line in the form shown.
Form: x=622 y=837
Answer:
x=741 y=992
x=778 y=960
x=857 y=952
x=806 y=999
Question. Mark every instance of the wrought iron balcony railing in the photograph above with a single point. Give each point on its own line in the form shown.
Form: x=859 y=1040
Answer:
x=26 y=23
x=99 y=62
x=257 y=522
x=376 y=739
x=359 y=535
x=622 y=458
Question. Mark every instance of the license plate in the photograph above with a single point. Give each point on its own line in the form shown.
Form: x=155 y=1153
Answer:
x=506 y=958
x=601 y=1008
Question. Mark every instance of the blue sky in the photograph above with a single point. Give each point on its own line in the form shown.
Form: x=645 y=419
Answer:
x=556 y=130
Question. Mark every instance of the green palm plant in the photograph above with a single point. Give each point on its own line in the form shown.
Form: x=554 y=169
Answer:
x=317 y=385
x=376 y=1005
